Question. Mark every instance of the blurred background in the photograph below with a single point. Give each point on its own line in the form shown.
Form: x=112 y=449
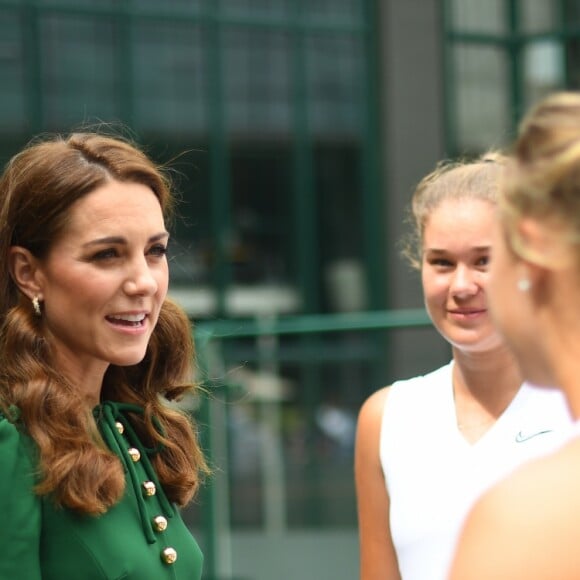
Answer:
x=296 y=130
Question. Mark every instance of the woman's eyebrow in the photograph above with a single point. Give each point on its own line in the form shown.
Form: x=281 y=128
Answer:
x=121 y=240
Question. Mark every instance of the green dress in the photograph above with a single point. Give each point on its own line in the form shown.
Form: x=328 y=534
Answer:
x=142 y=537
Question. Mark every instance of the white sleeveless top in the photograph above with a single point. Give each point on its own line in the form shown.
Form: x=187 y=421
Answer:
x=434 y=475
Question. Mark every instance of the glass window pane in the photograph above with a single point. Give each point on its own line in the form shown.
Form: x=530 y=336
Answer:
x=539 y=15
x=335 y=81
x=170 y=78
x=329 y=11
x=482 y=98
x=80 y=3
x=478 y=16
x=79 y=63
x=570 y=12
x=13 y=96
x=261 y=182
x=167 y=6
x=254 y=7
x=337 y=167
x=256 y=82
x=543 y=69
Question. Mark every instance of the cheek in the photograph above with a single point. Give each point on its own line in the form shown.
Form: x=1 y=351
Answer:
x=434 y=287
x=162 y=277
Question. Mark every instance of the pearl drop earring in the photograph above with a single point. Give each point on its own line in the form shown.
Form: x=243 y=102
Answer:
x=524 y=285
x=36 y=306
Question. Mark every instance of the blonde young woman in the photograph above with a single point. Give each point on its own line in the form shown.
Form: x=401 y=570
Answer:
x=426 y=447
x=528 y=526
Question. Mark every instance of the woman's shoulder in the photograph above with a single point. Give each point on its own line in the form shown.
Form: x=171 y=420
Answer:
x=440 y=375
x=374 y=406
x=15 y=445
x=529 y=521
x=371 y=411
x=19 y=504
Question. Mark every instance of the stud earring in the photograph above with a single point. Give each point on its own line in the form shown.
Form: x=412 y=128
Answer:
x=36 y=306
x=524 y=285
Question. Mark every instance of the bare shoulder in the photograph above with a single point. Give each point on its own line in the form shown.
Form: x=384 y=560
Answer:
x=527 y=525
x=369 y=427
x=372 y=408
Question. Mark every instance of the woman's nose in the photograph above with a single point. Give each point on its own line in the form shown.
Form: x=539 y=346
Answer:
x=464 y=281
x=140 y=279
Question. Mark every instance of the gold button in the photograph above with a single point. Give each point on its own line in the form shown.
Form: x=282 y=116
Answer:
x=134 y=453
x=120 y=427
x=159 y=523
x=149 y=488
x=169 y=555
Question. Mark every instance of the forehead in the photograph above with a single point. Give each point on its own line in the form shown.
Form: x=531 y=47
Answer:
x=460 y=222
x=115 y=205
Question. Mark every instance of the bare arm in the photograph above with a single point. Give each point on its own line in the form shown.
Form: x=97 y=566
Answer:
x=378 y=560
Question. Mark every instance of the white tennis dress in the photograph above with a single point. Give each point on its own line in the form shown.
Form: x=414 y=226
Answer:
x=433 y=474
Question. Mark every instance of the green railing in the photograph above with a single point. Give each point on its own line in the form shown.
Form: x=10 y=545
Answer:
x=208 y=333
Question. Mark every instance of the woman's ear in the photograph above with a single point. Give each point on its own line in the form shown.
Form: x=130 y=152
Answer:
x=25 y=272
x=545 y=243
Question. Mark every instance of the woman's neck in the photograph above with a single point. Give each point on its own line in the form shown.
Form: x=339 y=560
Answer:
x=484 y=385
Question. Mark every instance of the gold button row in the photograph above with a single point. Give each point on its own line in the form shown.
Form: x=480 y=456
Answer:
x=168 y=555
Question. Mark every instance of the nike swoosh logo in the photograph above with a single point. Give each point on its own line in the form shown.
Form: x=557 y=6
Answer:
x=521 y=437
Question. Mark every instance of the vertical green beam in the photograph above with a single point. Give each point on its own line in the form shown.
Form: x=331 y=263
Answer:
x=208 y=491
x=30 y=19
x=448 y=76
x=305 y=211
x=372 y=194
x=564 y=39
x=219 y=170
x=126 y=45
x=515 y=64
x=371 y=179
x=305 y=206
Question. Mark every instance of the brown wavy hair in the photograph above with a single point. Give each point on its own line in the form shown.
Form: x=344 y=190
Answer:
x=478 y=178
x=37 y=189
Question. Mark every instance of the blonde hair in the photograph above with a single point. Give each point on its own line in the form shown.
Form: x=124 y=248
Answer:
x=543 y=177
x=458 y=179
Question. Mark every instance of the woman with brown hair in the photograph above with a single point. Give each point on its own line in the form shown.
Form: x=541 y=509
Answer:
x=94 y=461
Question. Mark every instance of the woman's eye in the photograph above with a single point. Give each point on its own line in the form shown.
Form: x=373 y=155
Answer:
x=106 y=254
x=158 y=250
x=441 y=263
x=483 y=261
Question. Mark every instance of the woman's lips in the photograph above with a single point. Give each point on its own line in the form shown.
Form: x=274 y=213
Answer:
x=467 y=313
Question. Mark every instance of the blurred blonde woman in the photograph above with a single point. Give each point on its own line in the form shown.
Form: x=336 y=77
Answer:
x=426 y=447
x=528 y=526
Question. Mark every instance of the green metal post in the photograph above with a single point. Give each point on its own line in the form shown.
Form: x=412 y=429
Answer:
x=218 y=157
x=125 y=70
x=208 y=491
x=304 y=190
x=514 y=47
x=33 y=66
x=372 y=194
x=448 y=75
